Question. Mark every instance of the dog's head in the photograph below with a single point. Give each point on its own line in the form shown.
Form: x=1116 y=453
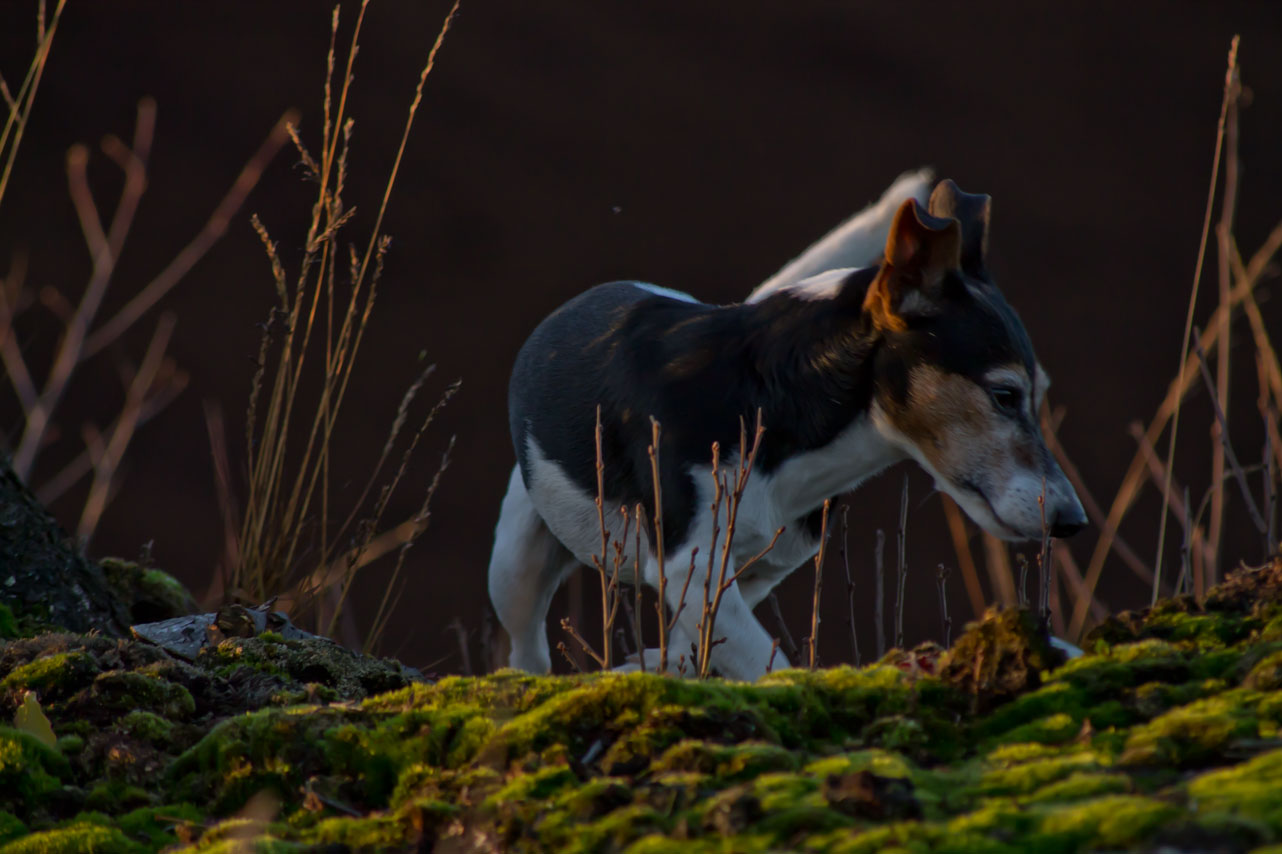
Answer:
x=957 y=385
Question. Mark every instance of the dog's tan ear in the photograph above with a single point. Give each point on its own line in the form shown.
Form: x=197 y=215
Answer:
x=973 y=211
x=920 y=251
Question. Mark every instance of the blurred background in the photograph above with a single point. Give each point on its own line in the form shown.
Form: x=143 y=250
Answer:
x=695 y=145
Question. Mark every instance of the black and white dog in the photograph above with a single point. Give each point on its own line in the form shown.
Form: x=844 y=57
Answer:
x=853 y=369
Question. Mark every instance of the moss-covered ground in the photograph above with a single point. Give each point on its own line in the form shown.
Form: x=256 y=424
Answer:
x=1164 y=736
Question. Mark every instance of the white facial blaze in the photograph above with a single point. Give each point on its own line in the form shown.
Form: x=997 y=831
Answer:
x=993 y=463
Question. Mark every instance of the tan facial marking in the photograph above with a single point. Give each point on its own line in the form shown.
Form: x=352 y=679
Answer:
x=952 y=421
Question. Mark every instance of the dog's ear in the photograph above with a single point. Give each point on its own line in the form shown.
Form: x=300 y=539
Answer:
x=920 y=252
x=973 y=211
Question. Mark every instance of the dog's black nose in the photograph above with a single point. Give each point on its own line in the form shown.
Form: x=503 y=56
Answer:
x=1067 y=524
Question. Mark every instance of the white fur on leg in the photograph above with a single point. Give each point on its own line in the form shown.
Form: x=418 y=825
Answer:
x=526 y=567
x=747 y=655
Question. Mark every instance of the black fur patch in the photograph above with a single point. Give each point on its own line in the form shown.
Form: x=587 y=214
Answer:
x=811 y=366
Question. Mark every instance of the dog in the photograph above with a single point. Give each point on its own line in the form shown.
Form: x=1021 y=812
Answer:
x=917 y=356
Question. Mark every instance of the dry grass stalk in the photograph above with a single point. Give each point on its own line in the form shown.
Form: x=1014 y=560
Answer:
x=812 y=642
x=638 y=514
x=410 y=530
x=901 y=574
x=965 y=560
x=1248 y=278
x=1229 y=96
x=946 y=622
x=850 y=586
x=1224 y=240
x=789 y=645
x=289 y=493
x=19 y=105
x=1226 y=447
x=879 y=605
x=997 y=563
x=1044 y=566
x=1093 y=510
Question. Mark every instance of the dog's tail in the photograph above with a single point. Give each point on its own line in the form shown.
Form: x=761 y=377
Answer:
x=857 y=242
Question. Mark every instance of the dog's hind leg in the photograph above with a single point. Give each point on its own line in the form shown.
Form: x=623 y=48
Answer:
x=527 y=565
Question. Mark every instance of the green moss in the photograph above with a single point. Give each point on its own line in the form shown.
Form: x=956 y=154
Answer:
x=1110 y=821
x=1025 y=777
x=156 y=824
x=122 y=690
x=52 y=675
x=1266 y=675
x=29 y=770
x=376 y=833
x=146 y=726
x=116 y=796
x=1251 y=790
x=11 y=827
x=78 y=837
x=8 y=623
x=1078 y=786
x=1194 y=734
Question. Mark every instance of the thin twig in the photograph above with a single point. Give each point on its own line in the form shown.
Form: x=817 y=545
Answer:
x=210 y=233
x=105 y=247
x=108 y=463
x=813 y=641
x=879 y=605
x=656 y=521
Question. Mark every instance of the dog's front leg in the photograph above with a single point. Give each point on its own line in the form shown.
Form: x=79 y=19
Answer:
x=746 y=651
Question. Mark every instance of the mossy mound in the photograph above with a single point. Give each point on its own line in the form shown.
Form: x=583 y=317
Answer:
x=1166 y=735
x=123 y=712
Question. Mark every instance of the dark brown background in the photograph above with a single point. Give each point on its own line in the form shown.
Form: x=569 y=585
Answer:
x=696 y=145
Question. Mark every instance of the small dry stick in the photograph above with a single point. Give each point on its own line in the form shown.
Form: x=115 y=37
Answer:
x=565 y=651
x=1044 y=560
x=1238 y=474
x=819 y=565
x=1185 y=578
x=879 y=606
x=903 y=565
x=657 y=522
x=636 y=585
x=1022 y=560
x=965 y=560
x=1270 y=487
x=850 y=585
x=942 y=578
x=790 y=646
x=607 y=611
x=569 y=629
x=460 y=635
x=774 y=650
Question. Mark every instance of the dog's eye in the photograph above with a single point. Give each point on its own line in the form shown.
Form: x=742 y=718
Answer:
x=1007 y=399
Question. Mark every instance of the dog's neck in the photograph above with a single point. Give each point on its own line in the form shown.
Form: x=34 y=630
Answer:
x=815 y=360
